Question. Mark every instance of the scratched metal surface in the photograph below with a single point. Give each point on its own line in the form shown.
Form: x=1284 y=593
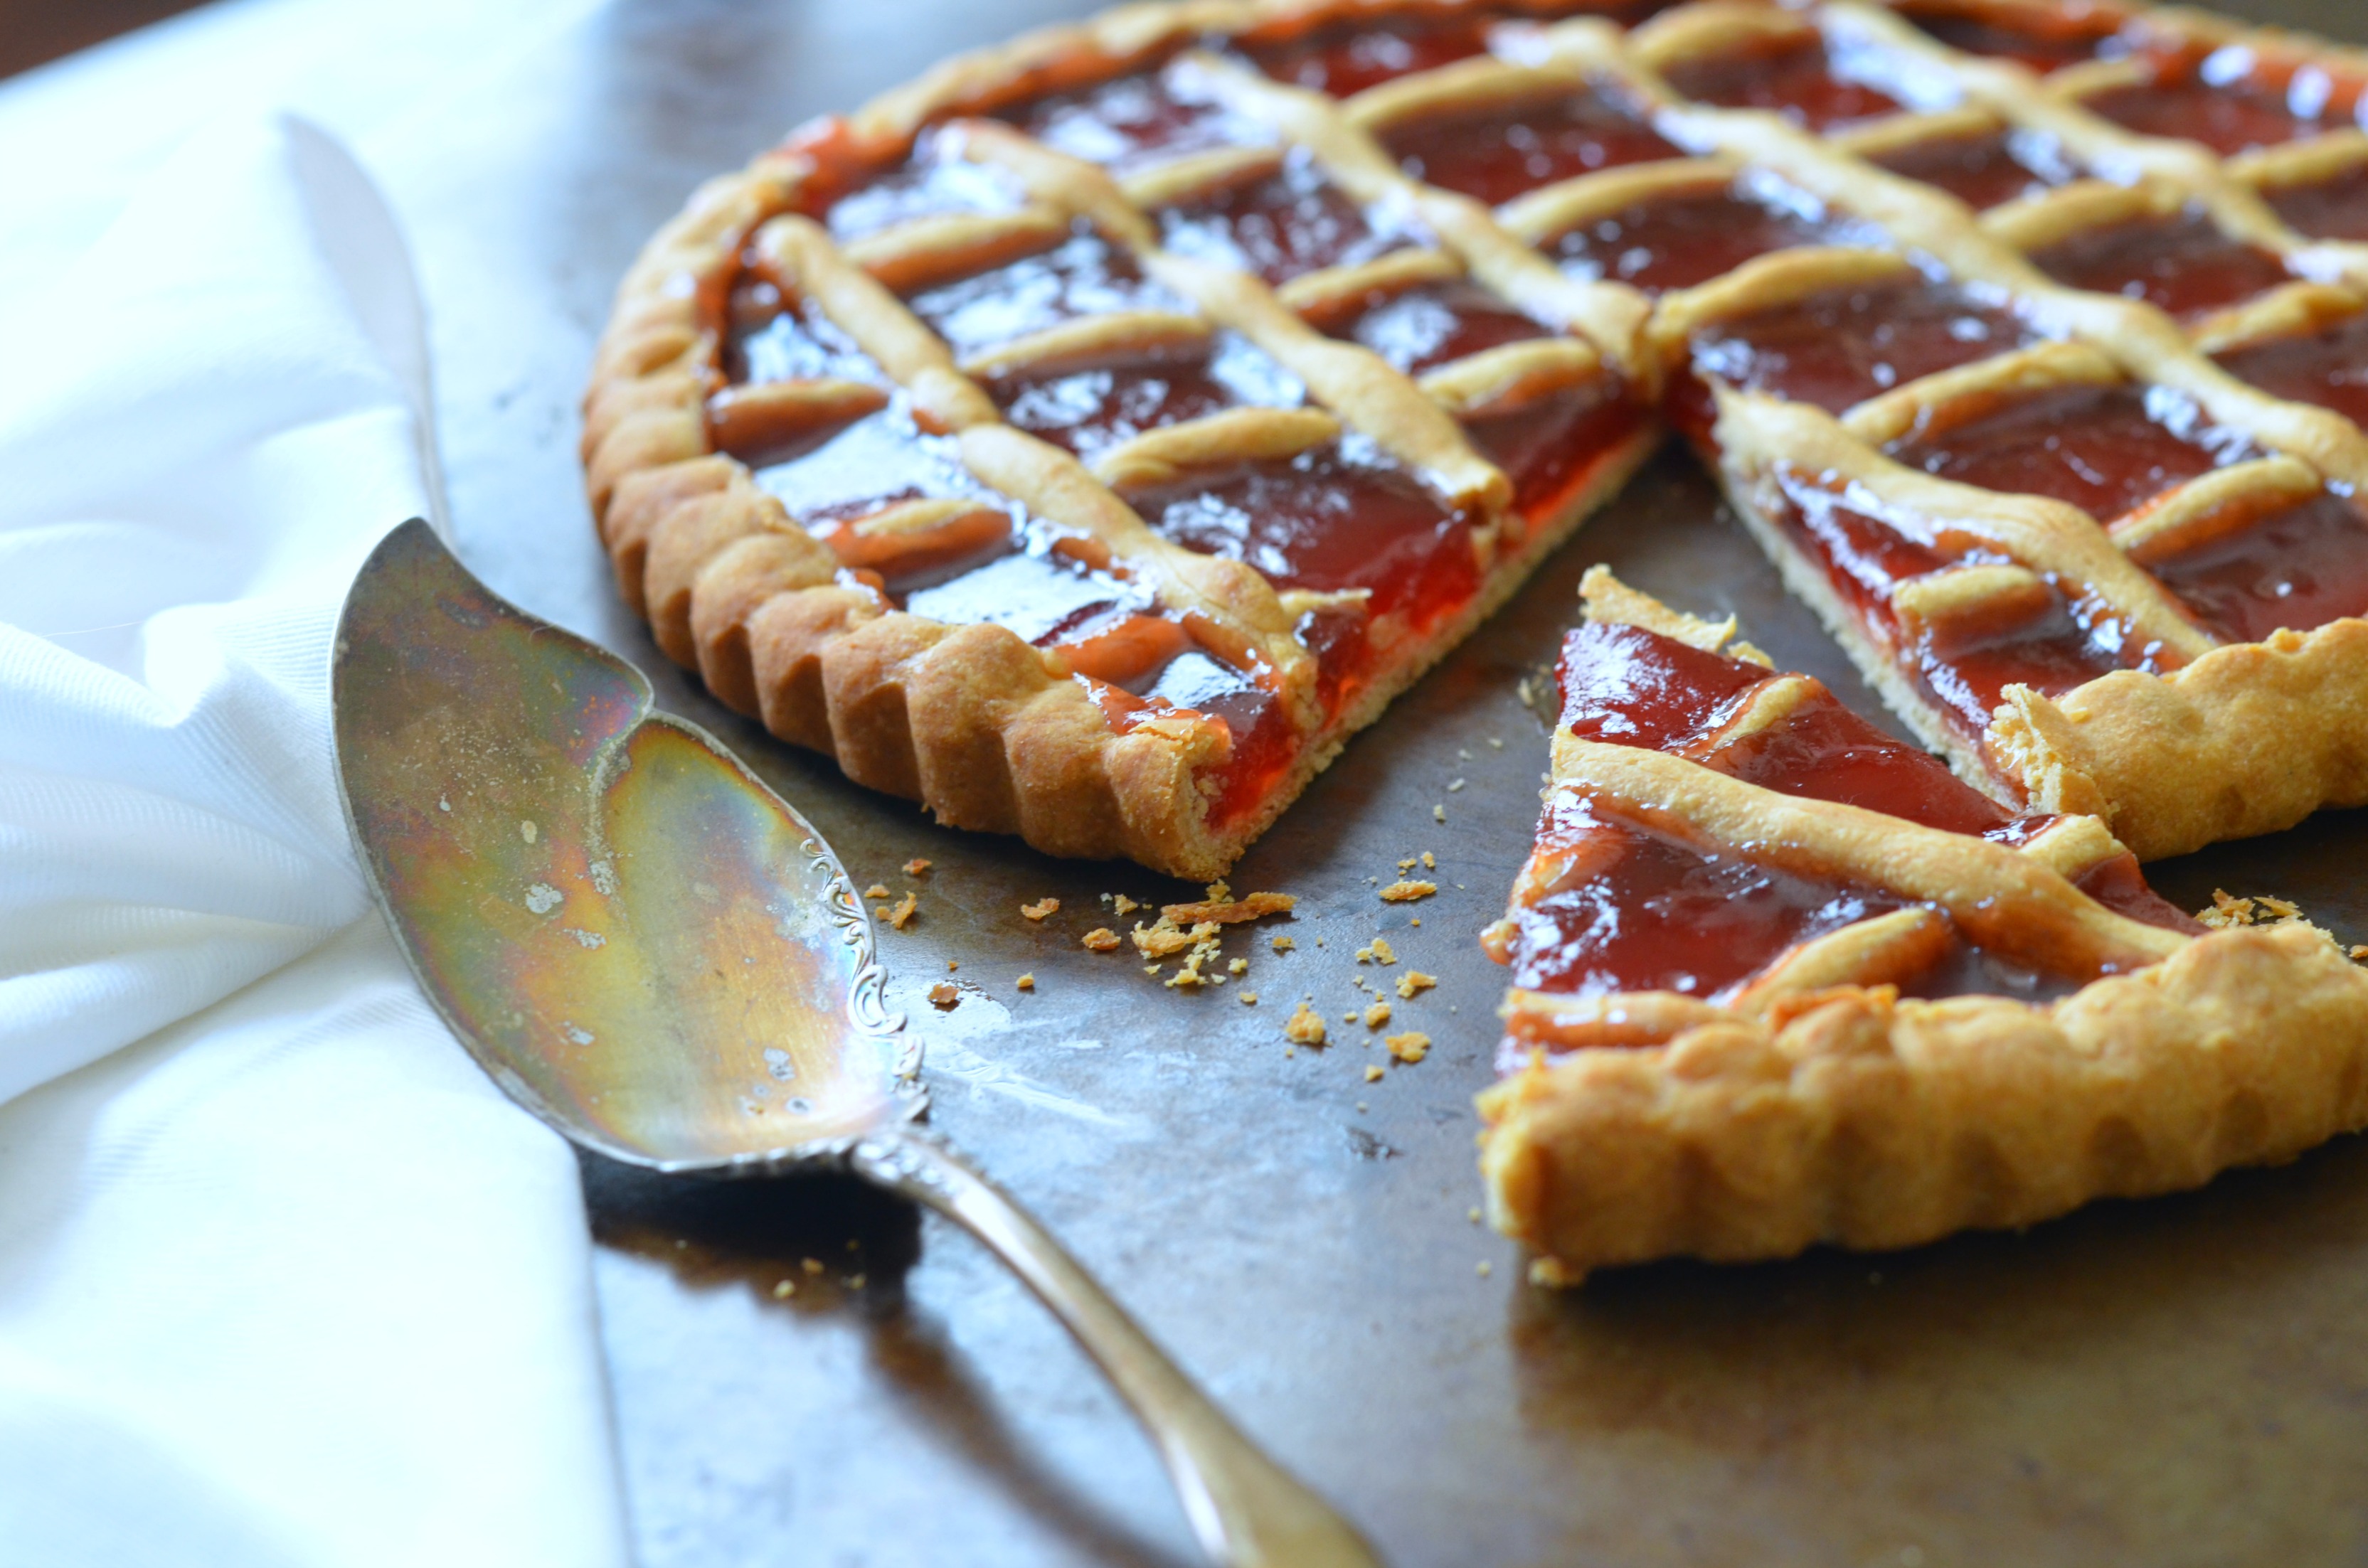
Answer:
x=2178 y=1381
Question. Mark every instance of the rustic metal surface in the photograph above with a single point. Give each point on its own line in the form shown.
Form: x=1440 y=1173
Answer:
x=2183 y=1381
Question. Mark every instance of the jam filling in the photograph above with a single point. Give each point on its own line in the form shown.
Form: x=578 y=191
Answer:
x=1430 y=325
x=2220 y=102
x=1292 y=221
x=1642 y=910
x=2181 y=264
x=2332 y=209
x=1341 y=516
x=1684 y=238
x=928 y=184
x=1135 y=121
x=2059 y=646
x=1839 y=347
x=768 y=336
x=1089 y=408
x=1802 y=81
x=1551 y=449
x=2040 y=41
x=2299 y=569
x=1496 y=153
x=2328 y=367
x=878 y=461
x=1085 y=275
x=1346 y=57
x=1985 y=170
x=2106 y=449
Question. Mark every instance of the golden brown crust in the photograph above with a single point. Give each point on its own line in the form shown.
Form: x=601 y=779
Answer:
x=1863 y=1122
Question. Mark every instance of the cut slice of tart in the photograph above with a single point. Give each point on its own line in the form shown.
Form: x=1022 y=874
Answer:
x=1779 y=979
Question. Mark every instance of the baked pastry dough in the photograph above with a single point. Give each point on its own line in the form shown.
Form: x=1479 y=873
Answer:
x=1782 y=979
x=1087 y=438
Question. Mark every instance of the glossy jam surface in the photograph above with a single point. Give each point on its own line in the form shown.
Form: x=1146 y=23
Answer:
x=1801 y=82
x=1430 y=324
x=1135 y=121
x=1338 y=518
x=2228 y=117
x=2072 y=39
x=2299 y=569
x=1341 y=58
x=1090 y=407
x=769 y=338
x=1083 y=276
x=2106 y=449
x=2331 y=210
x=1840 y=347
x=1497 y=153
x=1292 y=221
x=1549 y=449
x=875 y=462
x=2328 y=367
x=1663 y=915
x=1985 y=170
x=1639 y=910
x=1039 y=594
x=2181 y=264
x=2060 y=646
x=927 y=185
x=1684 y=238
x=1629 y=687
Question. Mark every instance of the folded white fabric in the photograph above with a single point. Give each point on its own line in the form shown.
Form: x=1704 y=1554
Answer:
x=284 y=1281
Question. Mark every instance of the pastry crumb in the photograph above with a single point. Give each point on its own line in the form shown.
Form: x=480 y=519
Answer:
x=784 y=1289
x=1239 y=966
x=1123 y=904
x=1026 y=983
x=1166 y=937
x=1249 y=999
x=1380 y=951
x=1496 y=742
x=1284 y=944
x=916 y=866
x=1228 y=911
x=1406 y=864
x=1473 y=1214
x=1405 y=892
x=944 y=994
x=1377 y=1015
x=903 y=914
x=1409 y=1047
x=1372 y=1074
x=1102 y=939
x=1430 y=861
x=1438 y=813
x=811 y=1265
x=1303 y=1027
x=952 y=965
x=1413 y=983
x=1452 y=789
x=1485 y=1268
x=877 y=890
x=1040 y=908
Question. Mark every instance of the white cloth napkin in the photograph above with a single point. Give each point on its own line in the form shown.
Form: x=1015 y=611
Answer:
x=283 y=1279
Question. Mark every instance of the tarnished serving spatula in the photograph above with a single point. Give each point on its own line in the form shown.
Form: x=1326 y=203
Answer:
x=653 y=953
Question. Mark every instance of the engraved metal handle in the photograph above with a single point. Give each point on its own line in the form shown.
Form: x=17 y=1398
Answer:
x=1247 y=1511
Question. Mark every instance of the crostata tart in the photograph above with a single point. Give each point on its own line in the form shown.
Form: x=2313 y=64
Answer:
x=1088 y=437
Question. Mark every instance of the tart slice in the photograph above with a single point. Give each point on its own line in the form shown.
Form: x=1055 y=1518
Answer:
x=1780 y=979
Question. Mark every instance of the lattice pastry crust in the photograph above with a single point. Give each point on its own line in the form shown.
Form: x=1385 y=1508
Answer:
x=1808 y=1101
x=1873 y=145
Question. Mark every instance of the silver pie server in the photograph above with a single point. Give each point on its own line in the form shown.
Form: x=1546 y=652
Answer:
x=652 y=951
